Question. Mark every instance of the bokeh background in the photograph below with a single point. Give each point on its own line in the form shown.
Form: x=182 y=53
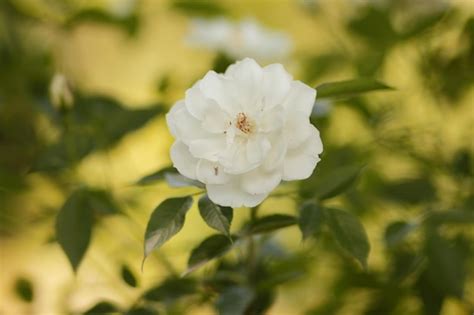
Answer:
x=126 y=62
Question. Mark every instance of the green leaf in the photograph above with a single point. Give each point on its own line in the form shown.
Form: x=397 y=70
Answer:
x=410 y=190
x=217 y=217
x=165 y=221
x=212 y=247
x=349 y=88
x=74 y=227
x=234 y=300
x=24 y=289
x=128 y=23
x=271 y=223
x=157 y=176
x=337 y=182
x=396 y=232
x=445 y=268
x=456 y=216
x=171 y=290
x=87 y=128
x=349 y=233
x=311 y=219
x=102 y=308
x=199 y=7
x=128 y=276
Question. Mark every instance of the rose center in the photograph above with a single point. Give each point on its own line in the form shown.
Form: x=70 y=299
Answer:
x=243 y=123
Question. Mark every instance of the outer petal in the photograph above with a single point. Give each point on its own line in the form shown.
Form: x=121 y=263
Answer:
x=260 y=181
x=297 y=129
x=277 y=153
x=183 y=125
x=247 y=76
x=211 y=173
x=216 y=120
x=182 y=159
x=276 y=84
x=301 y=97
x=300 y=162
x=231 y=195
x=196 y=102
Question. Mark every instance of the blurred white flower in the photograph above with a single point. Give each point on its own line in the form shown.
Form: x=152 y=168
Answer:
x=60 y=92
x=121 y=8
x=242 y=132
x=241 y=39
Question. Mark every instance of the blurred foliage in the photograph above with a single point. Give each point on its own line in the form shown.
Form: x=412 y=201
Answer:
x=425 y=251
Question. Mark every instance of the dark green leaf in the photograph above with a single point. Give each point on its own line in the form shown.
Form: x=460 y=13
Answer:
x=221 y=63
x=455 y=216
x=337 y=182
x=212 y=247
x=171 y=290
x=165 y=221
x=102 y=308
x=445 y=269
x=234 y=300
x=271 y=223
x=199 y=7
x=88 y=128
x=24 y=289
x=74 y=227
x=128 y=23
x=217 y=217
x=262 y=301
x=396 y=232
x=128 y=276
x=311 y=219
x=411 y=191
x=101 y=202
x=157 y=176
x=349 y=233
x=349 y=88
x=142 y=310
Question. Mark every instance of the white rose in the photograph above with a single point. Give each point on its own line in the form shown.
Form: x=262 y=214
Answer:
x=241 y=133
x=241 y=39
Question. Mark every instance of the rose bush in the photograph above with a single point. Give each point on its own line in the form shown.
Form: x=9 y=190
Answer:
x=242 y=132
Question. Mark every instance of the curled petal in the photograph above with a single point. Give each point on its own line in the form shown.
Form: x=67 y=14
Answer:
x=231 y=195
x=211 y=173
x=259 y=181
x=276 y=85
x=301 y=98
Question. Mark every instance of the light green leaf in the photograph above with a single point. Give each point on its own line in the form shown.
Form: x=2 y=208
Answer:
x=311 y=219
x=156 y=176
x=212 y=247
x=343 y=89
x=271 y=223
x=338 y=181
x=74 y=227
x=165 y=221
x=217 y=217
x=349 y=233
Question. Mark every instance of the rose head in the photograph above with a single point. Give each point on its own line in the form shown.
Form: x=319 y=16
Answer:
x=241 y=133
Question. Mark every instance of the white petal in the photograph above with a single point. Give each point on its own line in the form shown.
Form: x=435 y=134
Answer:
x=301 y=98
x=247 y=76
x=182 y=159
x=276 y=84
x=217 y=88
x=300 y=162
x=197 y=103
x=276 y=155
x=184 y=126
x=208 y=148
x=170 y=117
x=235 y=160
x=231 y=195
x=257 y=149
x=297 y=129
x=211 y=173
x=216 y=121
x=259 y=181
x=271 y=120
